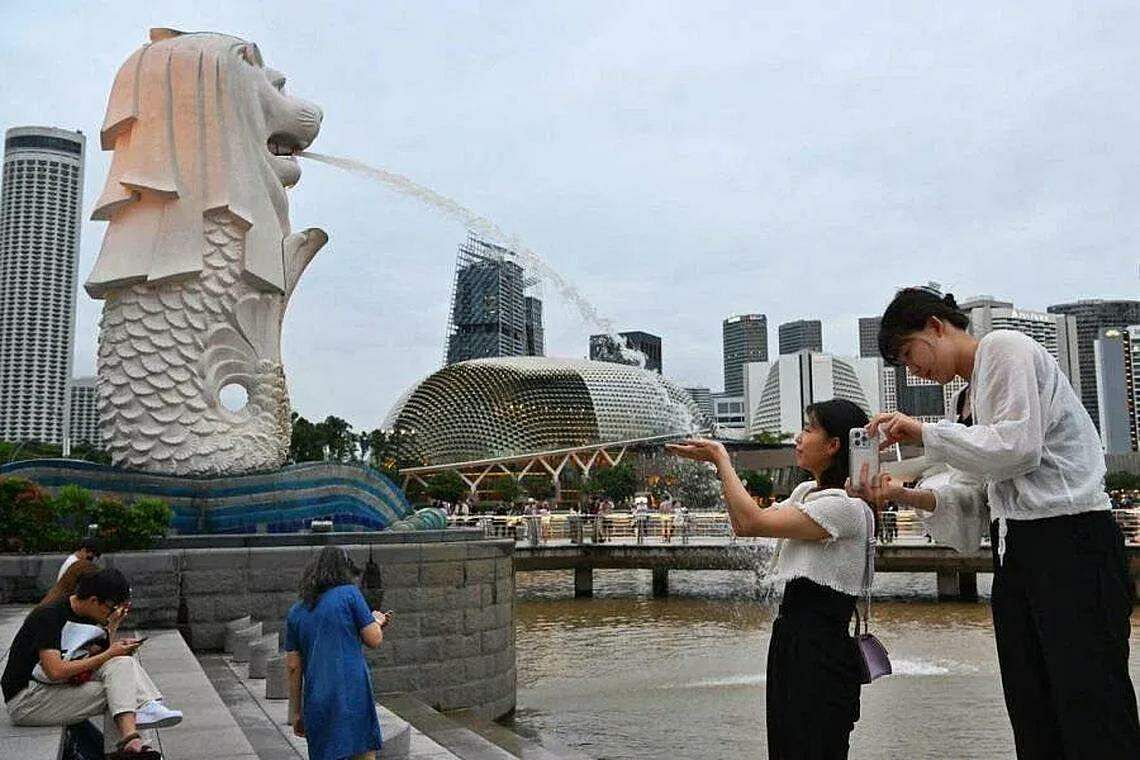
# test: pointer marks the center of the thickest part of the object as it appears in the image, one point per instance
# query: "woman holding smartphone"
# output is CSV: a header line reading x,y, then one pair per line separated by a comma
x,y
330,686
813,672
1060,597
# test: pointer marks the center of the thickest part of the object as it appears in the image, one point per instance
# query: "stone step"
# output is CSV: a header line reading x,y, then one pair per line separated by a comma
x,y
452,736
23,741
517,745
270,719
208,730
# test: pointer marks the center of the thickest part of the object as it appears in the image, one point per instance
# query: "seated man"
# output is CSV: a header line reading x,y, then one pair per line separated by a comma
x,y
88,549
110,681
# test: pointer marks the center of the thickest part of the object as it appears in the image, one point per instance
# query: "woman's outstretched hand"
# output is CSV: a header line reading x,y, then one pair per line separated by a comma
x,y
699,449
895,427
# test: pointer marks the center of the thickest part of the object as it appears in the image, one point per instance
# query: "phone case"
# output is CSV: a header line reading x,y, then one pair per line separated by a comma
x,y
864,449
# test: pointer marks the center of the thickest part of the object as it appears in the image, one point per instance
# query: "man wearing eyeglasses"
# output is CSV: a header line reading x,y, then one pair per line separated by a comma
x,y
58,673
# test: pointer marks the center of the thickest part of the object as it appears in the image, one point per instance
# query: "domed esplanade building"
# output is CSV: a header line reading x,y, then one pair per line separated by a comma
x,y
506,407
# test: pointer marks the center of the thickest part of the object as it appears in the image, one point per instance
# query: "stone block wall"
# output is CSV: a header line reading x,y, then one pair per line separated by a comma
x,y
451,642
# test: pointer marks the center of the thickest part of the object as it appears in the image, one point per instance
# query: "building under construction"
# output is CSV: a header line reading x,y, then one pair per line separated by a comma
x,y
491,315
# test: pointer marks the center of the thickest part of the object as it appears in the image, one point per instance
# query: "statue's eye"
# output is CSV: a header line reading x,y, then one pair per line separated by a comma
x,y
279,83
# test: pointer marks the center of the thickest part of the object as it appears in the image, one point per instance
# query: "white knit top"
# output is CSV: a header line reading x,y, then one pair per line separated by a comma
x,y
838,561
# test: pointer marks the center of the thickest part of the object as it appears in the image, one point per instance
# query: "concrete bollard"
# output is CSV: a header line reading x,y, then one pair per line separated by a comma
x,y
233,627
242,640
259,653
276,678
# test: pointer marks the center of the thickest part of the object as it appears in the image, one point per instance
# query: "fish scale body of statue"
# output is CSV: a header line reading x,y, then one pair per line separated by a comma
x,y
198,264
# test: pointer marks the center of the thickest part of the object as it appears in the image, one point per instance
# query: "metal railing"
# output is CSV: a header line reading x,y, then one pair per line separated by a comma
x,y
902,527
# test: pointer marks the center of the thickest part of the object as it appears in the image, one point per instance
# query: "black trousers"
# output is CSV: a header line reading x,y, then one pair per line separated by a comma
x,y
813,675
1061,605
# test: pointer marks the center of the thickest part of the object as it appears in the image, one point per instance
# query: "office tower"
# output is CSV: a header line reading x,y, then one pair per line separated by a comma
x,y
731,416
83,414
745,339
1111,391
703,398
535,338
490,314
603,348
801,335
1056,332
869,337
40,213
1132,383
1092,317
778,392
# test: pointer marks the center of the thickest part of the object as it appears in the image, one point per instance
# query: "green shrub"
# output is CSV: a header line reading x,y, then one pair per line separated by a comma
x,y
32,521
29,519
137,526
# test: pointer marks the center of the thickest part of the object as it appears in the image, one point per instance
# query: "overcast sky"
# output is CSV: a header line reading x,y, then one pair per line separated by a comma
x,y
678,163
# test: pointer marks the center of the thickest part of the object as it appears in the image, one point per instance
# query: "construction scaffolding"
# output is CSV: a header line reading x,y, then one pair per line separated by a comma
x,y
491,315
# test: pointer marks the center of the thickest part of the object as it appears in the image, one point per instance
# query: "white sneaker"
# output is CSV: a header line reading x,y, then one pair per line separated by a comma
x,y
154,714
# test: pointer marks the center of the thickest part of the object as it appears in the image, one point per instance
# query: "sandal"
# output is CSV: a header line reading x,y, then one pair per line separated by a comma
x,y
145,752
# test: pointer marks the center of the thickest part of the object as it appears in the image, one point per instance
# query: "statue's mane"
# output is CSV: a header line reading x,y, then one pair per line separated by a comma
x,y
189,137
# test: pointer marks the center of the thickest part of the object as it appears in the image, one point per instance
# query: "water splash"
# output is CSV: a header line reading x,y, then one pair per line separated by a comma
x,y
491,232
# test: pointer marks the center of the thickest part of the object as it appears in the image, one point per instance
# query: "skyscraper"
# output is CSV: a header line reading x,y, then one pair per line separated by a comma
x,y
869,337
1056,332
40,212
703,397
1111,390
1132,383
801,335
490,315
745,339
604,349
535,337
83,414
1092,317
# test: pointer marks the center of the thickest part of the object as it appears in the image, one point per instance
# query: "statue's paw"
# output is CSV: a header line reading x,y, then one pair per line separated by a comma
x,y
300,248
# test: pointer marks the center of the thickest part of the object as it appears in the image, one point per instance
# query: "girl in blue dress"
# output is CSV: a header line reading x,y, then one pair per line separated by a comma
x,y
330,687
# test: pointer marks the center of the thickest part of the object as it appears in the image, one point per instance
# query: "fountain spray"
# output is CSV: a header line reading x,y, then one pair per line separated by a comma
x,y
491,231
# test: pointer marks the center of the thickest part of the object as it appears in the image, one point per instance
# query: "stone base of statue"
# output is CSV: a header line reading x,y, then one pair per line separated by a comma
x,y
287,500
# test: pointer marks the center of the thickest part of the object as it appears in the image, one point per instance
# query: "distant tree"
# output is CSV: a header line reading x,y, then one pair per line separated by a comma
x,y
618,482
756,483
338,438
306,443
769,438
447,486
538,486
1121,481
508,489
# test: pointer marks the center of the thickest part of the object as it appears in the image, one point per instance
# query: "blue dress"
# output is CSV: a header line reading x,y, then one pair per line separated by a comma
x,y
338,708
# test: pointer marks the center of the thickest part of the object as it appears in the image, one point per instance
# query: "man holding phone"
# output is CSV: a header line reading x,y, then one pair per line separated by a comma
x,y
72,688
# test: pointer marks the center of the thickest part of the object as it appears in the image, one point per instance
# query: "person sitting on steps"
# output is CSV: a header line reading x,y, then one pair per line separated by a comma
x,y
62,691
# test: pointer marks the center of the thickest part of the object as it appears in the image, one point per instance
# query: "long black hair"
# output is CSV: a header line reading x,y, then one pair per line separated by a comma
x,y
837,417
331,567
909,312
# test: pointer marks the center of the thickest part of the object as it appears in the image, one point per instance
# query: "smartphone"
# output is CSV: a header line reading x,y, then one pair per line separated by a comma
x,y
864,451
387,618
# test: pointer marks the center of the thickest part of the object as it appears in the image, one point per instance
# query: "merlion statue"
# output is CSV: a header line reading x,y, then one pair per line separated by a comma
x,y
198,262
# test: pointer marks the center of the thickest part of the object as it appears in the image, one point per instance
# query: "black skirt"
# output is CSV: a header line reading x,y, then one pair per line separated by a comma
x,y
813,674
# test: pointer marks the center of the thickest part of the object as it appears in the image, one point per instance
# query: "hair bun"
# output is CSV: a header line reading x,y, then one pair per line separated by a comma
x,y
948,299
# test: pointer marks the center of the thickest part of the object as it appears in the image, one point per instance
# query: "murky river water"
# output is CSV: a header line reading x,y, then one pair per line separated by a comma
x,y
624,675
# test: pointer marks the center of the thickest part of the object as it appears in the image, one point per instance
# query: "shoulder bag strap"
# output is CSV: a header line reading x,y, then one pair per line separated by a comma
x,y
868,567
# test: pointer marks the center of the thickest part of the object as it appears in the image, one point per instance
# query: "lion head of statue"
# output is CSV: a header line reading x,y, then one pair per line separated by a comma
x,y
197,123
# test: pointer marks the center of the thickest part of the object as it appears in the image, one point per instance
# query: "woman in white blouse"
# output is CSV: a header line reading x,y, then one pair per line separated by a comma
x,y
1060,597
813,673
